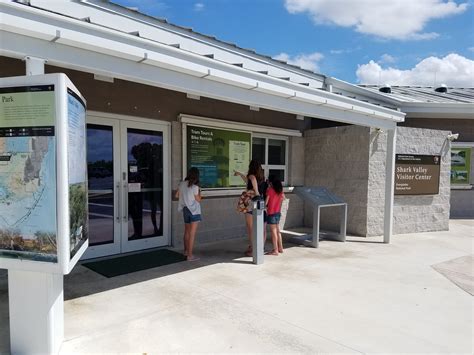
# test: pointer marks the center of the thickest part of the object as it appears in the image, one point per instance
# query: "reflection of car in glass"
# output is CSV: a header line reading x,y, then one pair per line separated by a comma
x,y
457,160
99,173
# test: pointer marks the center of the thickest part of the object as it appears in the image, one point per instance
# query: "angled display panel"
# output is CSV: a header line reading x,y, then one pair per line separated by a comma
x,y
43,184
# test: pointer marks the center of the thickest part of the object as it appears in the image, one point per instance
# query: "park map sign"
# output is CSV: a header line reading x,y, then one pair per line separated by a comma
x,y
217,153
27,173
43,174
417,174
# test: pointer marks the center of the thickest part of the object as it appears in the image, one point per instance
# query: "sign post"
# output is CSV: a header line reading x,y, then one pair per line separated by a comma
x,y
43,203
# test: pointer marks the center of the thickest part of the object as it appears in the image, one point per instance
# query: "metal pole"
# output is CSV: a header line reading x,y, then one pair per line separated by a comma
x,y
257,231
389,184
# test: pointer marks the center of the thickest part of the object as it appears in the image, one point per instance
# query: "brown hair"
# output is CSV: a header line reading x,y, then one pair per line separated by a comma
x,y
193,177
255,169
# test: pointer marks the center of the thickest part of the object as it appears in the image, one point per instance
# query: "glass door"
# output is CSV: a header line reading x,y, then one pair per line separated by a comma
x,y
143,179
128,179
103,167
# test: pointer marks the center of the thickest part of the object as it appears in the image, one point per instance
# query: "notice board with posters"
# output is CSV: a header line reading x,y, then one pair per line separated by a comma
x,y
460,165
217,153
417,174
43,175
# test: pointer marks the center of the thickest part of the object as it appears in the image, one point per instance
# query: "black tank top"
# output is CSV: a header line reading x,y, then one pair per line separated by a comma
x,y
262,187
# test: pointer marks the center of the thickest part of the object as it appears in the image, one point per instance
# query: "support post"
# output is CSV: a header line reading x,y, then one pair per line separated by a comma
x,y
34,65
258,231
389,184
36,304
316,218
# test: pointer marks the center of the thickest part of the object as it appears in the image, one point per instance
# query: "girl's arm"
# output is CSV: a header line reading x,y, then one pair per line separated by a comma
x,y
176,195
198,197
244,177
254,184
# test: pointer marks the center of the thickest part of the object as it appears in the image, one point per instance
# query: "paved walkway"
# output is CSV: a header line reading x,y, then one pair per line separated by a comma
x,y
356,297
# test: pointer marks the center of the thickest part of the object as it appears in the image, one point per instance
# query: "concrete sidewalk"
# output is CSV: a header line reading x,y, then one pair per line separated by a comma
x,y
356,297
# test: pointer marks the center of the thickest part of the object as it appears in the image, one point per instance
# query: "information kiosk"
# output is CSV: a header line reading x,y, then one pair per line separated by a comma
x,y
43,202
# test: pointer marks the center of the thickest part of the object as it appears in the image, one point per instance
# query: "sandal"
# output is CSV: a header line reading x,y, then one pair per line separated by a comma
x,y
272,252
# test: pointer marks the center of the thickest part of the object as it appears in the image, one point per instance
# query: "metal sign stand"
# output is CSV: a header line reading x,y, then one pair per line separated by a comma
x,y
320,197
258,231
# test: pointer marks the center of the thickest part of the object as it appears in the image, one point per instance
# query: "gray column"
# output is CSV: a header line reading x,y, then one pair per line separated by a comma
x,y
389,184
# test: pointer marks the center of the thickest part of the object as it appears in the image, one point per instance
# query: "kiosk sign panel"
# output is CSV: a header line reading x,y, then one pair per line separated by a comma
x,y
27,173
417,174
217,153
43,181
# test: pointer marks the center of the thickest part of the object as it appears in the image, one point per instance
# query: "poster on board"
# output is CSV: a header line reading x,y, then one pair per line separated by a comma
x,y
417,174
217,153
460,165
27,173
77,172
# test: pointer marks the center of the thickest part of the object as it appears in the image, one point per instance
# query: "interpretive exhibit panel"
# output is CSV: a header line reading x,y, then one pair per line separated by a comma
x,y
43,181
217,153
460,165
417,174
27,173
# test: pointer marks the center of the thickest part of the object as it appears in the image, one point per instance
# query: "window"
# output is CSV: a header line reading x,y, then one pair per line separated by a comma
x,y
272,153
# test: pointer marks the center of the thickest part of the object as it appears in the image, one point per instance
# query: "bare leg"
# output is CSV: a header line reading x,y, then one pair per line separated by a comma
x,y
192,234
274,234
249,224
186,238
280,240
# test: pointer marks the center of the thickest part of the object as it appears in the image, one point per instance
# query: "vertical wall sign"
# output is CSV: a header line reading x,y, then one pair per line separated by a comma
x,y
460,165
217,153
417,174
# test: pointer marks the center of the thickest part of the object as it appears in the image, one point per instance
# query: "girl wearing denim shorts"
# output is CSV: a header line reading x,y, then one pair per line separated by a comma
x,y
274,199
189,196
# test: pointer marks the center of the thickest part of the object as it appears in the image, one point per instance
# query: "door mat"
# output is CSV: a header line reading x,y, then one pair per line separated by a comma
x,y
136,262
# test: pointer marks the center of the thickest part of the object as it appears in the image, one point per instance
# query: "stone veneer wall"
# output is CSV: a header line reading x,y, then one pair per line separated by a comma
x,y
411,213
350,161
220,218
337,158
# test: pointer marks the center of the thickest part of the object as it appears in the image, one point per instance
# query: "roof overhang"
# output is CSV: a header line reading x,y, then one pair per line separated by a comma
x,y
79,45
438,110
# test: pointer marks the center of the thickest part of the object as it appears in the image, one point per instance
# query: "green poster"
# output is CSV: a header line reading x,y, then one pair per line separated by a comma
x,y
217,153
460,165
27,106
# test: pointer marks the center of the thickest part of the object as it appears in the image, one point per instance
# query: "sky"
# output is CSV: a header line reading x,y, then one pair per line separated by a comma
x,y
396,42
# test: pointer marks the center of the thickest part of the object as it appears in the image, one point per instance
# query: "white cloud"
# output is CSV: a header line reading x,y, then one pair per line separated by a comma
x,y
199,6
394,19
387,58
452,70
305,61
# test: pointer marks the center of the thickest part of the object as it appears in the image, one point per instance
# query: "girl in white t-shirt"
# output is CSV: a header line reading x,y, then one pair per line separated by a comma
x,y
189,195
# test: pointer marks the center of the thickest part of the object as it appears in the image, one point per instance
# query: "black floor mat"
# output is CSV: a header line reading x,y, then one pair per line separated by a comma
x,y
136,262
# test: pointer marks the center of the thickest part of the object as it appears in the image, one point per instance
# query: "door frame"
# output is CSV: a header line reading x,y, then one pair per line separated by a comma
x,y
121,244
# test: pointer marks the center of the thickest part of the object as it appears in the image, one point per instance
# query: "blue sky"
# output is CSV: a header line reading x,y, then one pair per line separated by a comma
x,y
402,42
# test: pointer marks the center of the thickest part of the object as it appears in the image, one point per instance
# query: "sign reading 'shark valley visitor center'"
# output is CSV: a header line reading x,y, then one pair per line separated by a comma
x,y
417,174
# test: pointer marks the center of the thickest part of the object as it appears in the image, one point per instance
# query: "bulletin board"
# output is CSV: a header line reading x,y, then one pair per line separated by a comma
x,y
217,153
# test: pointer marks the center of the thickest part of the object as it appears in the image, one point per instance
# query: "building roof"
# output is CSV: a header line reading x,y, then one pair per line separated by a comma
x,y
425,94
99,37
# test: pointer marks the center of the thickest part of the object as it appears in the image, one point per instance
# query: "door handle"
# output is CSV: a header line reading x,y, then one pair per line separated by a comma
x,y
118,197
125,201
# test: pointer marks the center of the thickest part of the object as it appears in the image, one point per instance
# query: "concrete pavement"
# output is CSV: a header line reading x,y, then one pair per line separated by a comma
x,y
361,296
